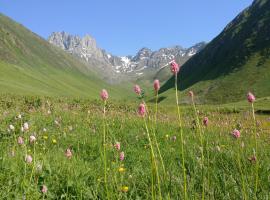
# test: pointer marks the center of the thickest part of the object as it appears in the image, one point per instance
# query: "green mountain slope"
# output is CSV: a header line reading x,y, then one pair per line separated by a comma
x,y
235,62
29,65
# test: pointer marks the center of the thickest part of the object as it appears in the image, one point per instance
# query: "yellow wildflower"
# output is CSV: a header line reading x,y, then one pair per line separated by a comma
x,y
121,169
124,188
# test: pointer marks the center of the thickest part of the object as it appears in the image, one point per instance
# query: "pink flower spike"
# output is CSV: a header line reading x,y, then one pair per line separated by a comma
x,y
117,146
20,140
205,121
44,189
174,67
32,139
28,159
25,126
68,153
156,85
104,95
236,133
250,97
141,110
137,89
122,156
190,93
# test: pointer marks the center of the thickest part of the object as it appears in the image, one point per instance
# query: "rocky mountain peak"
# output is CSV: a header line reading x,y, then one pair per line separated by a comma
x,y
87,49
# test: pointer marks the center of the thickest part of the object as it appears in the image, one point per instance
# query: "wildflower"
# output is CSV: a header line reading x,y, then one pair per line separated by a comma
x,y
218,148
156,85
236,133
44,130
242,144
174,138
137,89
174,67
28,159
121,169
39,167
25,126
117,146
190,93
12,153
250,97
122,156
44,189
56,122
32,139
45,137
252,158
142,110
124,189
167,136
68,153
104,95
205,121
54,141
11,127
19,116
20,140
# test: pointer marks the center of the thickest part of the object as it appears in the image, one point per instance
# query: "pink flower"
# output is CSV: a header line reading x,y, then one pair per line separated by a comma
x,y
205,121
250,97
236,133
117,146
174,67
32,139
156,85
68,153
252,158
28,159
190,93
137,89
122,156
44,189
104,95
20,140
141,110
25,126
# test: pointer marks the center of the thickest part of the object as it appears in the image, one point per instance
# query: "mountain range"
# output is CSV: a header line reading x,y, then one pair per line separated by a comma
x,y
119,68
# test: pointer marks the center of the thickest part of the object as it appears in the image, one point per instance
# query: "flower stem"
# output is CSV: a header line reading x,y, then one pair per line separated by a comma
x,y
153,160
256,151
104,149
241,172
202,146
155,138
181,135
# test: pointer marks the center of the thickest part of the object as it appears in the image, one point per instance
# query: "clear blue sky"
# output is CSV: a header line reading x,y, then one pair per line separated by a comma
x,y
122,27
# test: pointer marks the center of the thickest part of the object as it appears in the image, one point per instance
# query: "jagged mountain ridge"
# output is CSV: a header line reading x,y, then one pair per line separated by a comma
x,y
86,48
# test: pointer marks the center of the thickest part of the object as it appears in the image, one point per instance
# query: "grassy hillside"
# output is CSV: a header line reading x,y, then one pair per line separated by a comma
x,y
235,62
30,65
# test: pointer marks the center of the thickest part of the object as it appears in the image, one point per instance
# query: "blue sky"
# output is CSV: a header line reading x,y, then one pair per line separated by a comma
x,y
122,27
